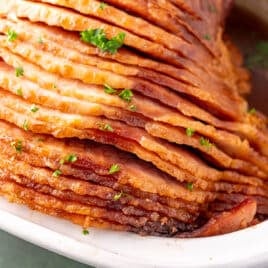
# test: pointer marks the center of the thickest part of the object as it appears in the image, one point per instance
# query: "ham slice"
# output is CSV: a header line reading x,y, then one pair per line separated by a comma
x,y
64,182
172,160
75,22
237,218
50,34
40,96
82,220
210,98
90,193
230,143
91,75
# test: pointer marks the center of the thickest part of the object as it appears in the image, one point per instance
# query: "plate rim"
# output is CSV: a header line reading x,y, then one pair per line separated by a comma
x,y
75,249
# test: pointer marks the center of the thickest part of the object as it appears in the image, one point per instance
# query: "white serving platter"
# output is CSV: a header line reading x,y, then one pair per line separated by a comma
x,y
246,248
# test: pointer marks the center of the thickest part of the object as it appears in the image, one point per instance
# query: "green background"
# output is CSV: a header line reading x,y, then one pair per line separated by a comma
x,y
15,253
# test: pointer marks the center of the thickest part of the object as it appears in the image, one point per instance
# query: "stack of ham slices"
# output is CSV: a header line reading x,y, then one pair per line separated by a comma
x,y
130,115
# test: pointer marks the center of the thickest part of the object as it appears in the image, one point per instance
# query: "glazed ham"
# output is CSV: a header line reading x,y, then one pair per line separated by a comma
x,y
128,115
207,96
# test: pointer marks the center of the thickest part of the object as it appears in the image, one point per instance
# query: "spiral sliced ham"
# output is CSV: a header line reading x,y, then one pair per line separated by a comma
x,y
177,156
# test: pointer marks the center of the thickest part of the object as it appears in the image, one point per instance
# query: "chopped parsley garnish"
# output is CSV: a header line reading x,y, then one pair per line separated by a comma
x,y
17,145
189,132
85,232
25,125
34,108
126,95
56,173
133,108
19,71
19,92
260,56
252,111
109,90
102,5
106,127
205,142
114,168
70,158
118,196
97,37
207,37
190,186
11,35
40,40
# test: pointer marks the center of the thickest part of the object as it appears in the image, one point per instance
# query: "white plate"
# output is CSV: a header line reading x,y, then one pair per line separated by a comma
x,y
246,248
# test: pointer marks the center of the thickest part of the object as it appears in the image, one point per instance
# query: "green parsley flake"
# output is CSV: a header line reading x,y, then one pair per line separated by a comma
x,y
85,232
97,37
189,132
56,173
118,196
34,108
25,125
19,92
205,142
70,158
126,95
207,37
40,40
133,108
11,35
252,111
103,5
109,90
106,127
190,186
114,169
19,71
17,145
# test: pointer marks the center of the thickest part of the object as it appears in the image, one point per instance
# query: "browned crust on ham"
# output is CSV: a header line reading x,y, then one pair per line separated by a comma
x,y
82,220
164,226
